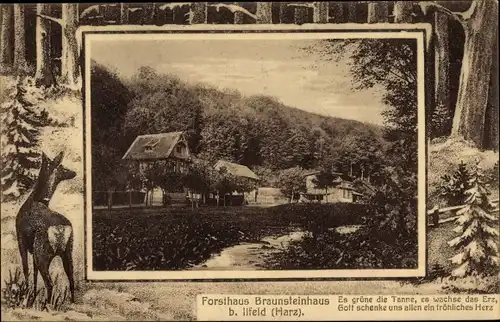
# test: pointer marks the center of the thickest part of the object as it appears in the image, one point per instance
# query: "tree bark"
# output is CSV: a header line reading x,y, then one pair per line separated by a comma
x,y
198,12
283,12
300,16
491,139
351,11
19,39
70,68
337,11
442,62
403,11
6,40
43,75
148,13
480,32
320,13
124,13
239,16
378,12
264,13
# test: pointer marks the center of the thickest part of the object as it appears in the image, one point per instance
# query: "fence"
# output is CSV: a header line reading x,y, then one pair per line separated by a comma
x,y
155,198
435,213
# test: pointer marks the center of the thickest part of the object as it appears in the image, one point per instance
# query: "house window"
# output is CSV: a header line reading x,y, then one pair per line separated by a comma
x,y
148,148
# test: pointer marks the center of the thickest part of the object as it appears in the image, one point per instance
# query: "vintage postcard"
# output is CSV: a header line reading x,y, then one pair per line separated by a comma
x,y
249,161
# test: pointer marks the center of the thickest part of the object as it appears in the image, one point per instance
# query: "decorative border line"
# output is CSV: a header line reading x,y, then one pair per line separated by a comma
x,y
420,32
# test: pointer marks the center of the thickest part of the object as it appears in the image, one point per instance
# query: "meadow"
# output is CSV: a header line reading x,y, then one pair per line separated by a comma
x,y
178,238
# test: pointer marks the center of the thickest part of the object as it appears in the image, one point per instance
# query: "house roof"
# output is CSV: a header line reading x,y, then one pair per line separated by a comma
x,y
236,169
153,146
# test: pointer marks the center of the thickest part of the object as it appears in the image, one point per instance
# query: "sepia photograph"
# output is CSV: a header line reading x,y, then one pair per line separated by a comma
x,y
248,155
216,161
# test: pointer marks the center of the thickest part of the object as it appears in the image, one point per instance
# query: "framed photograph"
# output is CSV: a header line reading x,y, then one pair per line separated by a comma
x,y
212,149
227,161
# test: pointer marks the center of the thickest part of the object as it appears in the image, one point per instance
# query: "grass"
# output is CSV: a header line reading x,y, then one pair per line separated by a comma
x,y
138,241
18,293
178,238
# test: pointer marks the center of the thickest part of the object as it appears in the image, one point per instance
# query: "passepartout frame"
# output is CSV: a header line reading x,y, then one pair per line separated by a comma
x,y
420,32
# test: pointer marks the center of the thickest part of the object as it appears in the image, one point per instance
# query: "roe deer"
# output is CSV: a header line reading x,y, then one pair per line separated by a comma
x,y
43,232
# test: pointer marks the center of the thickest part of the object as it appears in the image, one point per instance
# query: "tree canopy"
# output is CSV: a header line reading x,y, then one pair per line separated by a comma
x,y
258,131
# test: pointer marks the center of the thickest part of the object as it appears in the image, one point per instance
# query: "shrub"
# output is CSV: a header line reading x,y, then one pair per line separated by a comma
x,y
473,285
16,293
172,241
453,187
322,216
331,250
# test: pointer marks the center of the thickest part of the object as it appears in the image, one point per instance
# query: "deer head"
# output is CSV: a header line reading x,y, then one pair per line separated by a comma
x,y
51,174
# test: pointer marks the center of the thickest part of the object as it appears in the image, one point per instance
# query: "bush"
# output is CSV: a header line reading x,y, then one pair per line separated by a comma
x,y
362,249
473,285
368,247
317,218
16,292
173,241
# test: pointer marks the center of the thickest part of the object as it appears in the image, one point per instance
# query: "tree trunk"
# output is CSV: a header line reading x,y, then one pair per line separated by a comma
x,y
492,118
442,63
198,12
320,13
337,11
43,75
378,12
148,13
124,13
480,32
6,40
403,11
264,13
70,68
351,11
300,16
283,12
239,16
19,39
110,199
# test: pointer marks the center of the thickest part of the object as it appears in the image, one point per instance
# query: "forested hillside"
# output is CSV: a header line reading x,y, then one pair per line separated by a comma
x,y
258,131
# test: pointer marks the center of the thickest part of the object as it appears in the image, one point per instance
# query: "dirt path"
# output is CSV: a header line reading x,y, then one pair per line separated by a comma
x,y
248,256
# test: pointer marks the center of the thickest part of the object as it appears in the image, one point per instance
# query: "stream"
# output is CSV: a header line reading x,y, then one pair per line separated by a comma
x,y
250,256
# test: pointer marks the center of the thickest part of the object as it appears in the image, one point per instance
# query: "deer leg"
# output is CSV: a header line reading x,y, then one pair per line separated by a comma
x,y
31,300
42,261
24,257
67,260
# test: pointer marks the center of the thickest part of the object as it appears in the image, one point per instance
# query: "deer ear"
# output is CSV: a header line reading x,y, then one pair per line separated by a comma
x,y
58,159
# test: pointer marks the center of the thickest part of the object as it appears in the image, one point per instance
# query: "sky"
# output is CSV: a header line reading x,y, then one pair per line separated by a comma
x,y
280,68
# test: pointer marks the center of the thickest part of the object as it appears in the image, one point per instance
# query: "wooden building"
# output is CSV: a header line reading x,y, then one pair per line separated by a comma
x,y
163,150
340,191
